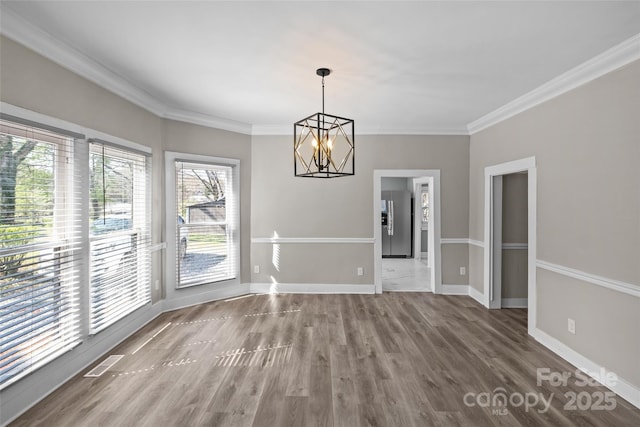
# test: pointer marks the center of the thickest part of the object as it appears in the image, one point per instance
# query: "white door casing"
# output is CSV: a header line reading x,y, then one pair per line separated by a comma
x,y
529,165
434,200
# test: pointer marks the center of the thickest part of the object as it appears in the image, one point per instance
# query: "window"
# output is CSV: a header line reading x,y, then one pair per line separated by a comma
x,y
119,227
425,209
38,241
205,222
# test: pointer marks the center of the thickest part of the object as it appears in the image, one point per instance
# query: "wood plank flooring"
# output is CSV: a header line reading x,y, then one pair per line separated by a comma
x,y
397,359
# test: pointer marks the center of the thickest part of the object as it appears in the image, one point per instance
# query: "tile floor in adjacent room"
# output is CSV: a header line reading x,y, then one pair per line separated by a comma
x,y
405,275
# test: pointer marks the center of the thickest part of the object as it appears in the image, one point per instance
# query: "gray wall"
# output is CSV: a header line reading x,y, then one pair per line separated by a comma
x,y
587,154
395,184
514,230
193,139
342,207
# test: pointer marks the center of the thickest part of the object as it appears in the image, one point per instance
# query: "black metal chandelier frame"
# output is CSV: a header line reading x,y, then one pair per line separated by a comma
x,y
313,143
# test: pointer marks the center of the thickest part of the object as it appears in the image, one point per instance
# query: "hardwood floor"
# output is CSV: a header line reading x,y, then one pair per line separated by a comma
x,y
397,359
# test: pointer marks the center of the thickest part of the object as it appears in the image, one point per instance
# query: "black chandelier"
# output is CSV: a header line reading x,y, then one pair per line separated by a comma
x,y
323,144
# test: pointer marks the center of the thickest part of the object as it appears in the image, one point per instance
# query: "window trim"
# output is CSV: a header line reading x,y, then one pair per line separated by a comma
x,y
172,291
143,233
66,236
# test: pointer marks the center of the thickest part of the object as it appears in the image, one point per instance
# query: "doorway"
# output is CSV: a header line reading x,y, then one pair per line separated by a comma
x,y
502,180
403,267
411,273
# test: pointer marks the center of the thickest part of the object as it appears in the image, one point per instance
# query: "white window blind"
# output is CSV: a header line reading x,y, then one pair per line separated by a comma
x,y
119,227
206,223
39,237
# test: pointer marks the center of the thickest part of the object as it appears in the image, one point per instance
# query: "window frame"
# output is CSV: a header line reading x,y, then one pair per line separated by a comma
x,y
140,232
233,219
63,242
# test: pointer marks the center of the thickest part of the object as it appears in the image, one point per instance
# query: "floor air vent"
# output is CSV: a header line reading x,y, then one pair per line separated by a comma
x,y
104,366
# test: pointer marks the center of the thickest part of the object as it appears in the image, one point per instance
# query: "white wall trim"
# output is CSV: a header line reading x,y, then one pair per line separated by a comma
x,y
477,243
287,130
206,120
208,291
88,133
610,60
514,303
22,31
311,288
17,28
616,285
622,387
515,246
476,295
462,240
454,240
455,289
158,247
527,164
207,294
313,240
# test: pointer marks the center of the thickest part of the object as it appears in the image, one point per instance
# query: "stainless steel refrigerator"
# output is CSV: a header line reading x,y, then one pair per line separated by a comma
x,y
396,224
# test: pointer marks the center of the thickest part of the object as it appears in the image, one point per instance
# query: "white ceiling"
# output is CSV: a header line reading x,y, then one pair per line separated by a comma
x,y
406,67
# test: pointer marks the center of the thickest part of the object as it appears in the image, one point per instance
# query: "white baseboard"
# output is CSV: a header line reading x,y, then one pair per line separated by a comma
x,y
622,387
455,289
476,295
311,288
514,302
30,390
217,293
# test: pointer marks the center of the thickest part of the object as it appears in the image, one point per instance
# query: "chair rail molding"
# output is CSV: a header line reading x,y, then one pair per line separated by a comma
x,y
616,285
310,240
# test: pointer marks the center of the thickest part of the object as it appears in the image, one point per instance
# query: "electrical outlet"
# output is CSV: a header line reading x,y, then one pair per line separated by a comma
x,y
256,269
571,326
463,271
360,271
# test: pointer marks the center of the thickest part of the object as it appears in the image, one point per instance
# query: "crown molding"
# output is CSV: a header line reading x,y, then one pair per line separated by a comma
x,y
22,31
207,120
371,130
16,28
264,130
610,60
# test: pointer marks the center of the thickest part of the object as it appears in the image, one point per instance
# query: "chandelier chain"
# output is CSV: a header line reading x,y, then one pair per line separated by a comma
x,y
322,94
